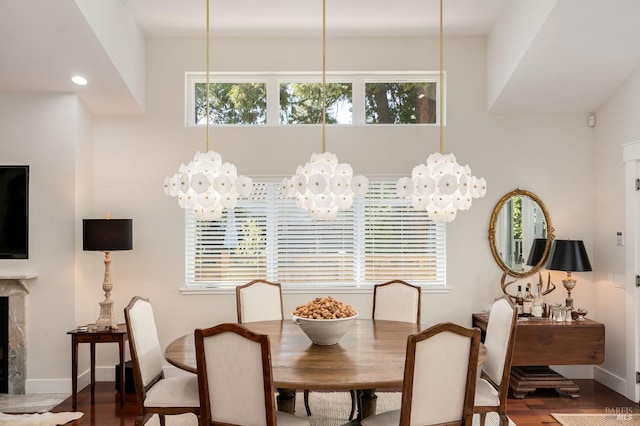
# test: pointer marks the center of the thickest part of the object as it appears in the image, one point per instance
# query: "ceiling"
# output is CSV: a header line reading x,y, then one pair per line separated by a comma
x,y
567,59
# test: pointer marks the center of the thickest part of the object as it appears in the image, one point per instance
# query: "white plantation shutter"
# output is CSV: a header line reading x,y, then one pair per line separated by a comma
x,y
266,236
400,241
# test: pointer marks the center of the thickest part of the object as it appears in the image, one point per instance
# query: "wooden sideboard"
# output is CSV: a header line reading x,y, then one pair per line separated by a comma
x,y
541,342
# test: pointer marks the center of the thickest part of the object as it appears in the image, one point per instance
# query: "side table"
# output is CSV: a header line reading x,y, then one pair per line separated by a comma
x,y
541,342
93,335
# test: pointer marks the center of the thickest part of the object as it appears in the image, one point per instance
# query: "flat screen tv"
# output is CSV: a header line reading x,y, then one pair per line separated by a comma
x,y
14,212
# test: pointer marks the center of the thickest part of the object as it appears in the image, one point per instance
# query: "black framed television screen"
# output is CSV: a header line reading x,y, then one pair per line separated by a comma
x,y
14,212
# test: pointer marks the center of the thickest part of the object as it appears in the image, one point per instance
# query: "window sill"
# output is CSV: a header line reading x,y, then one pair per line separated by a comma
x,y
306,290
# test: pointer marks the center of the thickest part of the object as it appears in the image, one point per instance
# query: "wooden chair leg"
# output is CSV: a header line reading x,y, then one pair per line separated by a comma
x,y
482,418
306,402
354,403
504,420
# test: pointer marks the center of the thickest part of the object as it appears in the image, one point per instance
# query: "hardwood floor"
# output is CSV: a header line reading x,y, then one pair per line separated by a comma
x,y
103,409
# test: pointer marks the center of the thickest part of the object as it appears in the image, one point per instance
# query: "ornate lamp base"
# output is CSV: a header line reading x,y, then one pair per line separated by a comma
x,y
569,284
106,319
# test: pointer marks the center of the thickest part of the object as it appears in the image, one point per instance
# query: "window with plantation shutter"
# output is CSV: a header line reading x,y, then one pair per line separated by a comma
x,y
266,236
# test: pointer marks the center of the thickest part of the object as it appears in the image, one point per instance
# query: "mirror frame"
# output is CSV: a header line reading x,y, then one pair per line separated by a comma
x,y
492,233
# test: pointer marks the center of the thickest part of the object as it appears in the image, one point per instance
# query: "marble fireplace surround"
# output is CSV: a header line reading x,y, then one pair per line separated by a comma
x,y
16,288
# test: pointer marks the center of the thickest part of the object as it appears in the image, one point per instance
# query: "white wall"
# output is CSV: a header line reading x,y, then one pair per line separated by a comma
x,y
552,156
46,131
617,124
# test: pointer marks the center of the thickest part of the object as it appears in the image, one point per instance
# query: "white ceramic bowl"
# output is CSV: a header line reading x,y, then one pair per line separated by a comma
x,y
324,331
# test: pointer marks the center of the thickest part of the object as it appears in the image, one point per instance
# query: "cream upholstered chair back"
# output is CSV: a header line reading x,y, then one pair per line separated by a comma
x,y
259,300
396,300
155,394
498,340
143,339
234,376
440,375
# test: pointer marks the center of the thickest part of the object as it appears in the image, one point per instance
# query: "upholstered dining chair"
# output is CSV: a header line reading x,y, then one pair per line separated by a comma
x,y
492,386
395,300
439,378
259,300
235,378
155,394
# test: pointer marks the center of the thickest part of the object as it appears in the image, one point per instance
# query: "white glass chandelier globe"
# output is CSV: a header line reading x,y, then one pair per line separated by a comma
x,y
187,200
434,160
477,187
324,213
344,201
420,171
172,185
463,184
304,201
229,200
345,170
185,180
338,184
200,183
404,187
317,183
458,201
299,183
328,158
243,185
441,201
209,157
229,170
285,188
447,184
208,199
222,184
425,186
420,202
209,213
322,200
359,185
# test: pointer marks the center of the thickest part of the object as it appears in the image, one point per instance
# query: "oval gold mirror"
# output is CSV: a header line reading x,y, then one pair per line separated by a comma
x,y
520,233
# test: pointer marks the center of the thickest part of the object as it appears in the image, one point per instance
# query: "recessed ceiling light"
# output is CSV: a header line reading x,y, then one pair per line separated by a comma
x,y
79,80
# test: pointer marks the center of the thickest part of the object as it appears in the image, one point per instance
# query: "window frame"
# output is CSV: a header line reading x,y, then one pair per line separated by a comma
x,y
274,79
438,285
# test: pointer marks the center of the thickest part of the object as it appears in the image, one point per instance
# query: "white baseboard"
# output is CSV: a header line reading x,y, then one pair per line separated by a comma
x,y
103,374
610,380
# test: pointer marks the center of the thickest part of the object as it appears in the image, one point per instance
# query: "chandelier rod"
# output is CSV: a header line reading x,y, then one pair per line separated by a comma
x,y
441,101
324,77
207,78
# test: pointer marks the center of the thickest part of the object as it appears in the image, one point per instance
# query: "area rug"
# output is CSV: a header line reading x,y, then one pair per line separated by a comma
x,y
620,418
327,409
31,403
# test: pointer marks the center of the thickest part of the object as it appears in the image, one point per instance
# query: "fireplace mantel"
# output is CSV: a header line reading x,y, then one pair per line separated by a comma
x,y
23,280
16,287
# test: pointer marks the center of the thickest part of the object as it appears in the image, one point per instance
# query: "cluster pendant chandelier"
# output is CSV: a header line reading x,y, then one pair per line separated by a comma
x,y
323,186
206,185
441,187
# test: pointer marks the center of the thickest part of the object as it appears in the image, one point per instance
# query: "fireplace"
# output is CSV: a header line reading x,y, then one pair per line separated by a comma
x,y
13,367
4,344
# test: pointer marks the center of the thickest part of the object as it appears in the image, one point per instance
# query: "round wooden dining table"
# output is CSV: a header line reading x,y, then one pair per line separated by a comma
x,y
369,356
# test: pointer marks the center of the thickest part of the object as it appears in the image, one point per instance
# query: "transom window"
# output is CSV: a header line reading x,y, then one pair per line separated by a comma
x,y
294,99
381,238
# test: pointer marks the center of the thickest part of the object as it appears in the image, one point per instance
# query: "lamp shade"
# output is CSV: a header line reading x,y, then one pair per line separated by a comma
x,y
107,234
537,251
569,256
